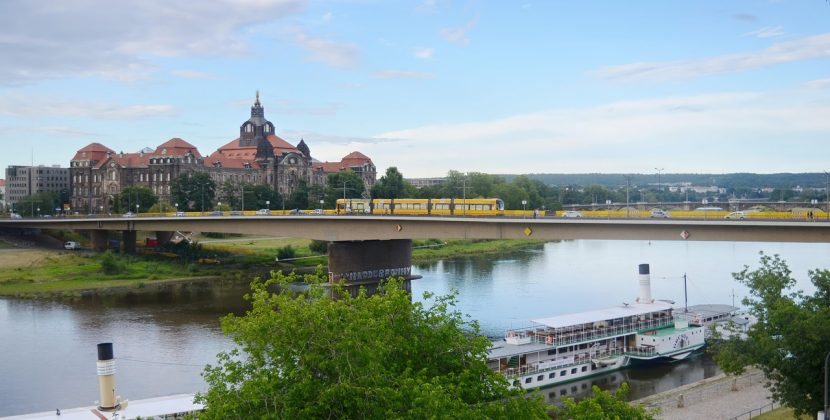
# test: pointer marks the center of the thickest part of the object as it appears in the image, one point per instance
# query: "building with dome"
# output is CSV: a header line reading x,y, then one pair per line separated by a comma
x,y
258,156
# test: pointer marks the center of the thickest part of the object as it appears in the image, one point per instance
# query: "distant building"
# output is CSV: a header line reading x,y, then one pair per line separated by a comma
x,y
2,194
258,156
425,182
23,181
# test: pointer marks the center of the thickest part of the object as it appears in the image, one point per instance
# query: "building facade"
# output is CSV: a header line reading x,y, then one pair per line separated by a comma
x,y
23,181
2,194
257,157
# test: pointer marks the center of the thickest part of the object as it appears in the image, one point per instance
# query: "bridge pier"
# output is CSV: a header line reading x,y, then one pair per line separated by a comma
x,y
164,237
99,240
366,263
128,238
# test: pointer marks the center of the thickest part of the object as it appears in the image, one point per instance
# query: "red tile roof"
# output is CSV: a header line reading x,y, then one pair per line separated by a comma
x,y
176,147
127,160
93,151
280,146
229,162
349,161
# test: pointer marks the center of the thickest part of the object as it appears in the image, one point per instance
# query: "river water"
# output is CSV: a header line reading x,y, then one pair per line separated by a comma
x,y
164,336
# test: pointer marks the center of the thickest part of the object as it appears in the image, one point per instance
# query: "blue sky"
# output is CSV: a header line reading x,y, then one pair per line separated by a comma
x,y
429,86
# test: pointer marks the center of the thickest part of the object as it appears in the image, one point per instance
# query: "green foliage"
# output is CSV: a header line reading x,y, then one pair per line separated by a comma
x,y
302,355
193,191
112,264
792,336
132,196
351,181
318,247
299,198
604,405
391,185
286,252
38,204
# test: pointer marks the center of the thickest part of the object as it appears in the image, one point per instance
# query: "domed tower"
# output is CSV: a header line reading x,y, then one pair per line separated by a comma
x,y
302,147
255,132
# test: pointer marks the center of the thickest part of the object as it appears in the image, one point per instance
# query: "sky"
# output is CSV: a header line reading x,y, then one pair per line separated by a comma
x,y
428,86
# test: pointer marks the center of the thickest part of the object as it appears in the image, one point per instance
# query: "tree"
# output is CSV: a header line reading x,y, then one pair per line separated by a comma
x,y
792,336
264,197
132,196
38,204
336,182
299,198
302,355
193,191
391,185
604,405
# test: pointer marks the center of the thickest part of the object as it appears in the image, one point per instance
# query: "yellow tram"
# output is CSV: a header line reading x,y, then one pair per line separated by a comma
x,y
422,206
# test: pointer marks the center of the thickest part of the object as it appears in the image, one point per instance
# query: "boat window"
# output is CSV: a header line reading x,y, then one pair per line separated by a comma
x,y
540,377
516,383
563,392
527,381
584,368
563,373
551,352
573,370
552,375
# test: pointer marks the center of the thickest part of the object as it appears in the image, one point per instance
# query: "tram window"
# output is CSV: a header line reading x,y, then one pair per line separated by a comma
x,y
584,368
552,375
527,381
573,370
540,377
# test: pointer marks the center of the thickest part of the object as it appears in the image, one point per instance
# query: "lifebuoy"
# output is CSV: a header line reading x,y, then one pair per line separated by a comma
x,y
548,340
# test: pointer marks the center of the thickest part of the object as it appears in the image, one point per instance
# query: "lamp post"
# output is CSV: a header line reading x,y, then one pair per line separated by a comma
x,y
268,204
321,205
38,211
524,204
177,207
658,182
627,186
136,208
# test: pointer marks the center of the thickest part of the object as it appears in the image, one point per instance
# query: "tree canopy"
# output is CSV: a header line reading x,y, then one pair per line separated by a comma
x,y
193,191
131,197
346,183
604,405
38,204
792,336
302,355
392,185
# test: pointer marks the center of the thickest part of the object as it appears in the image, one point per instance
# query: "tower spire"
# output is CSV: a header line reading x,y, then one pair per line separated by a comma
x,y
257,97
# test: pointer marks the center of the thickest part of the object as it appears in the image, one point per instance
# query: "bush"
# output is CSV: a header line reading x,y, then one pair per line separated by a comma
x,y
111,264
319,247
286,252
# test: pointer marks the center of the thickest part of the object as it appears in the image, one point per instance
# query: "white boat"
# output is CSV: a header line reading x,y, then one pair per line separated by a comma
x,y
727,320
569,347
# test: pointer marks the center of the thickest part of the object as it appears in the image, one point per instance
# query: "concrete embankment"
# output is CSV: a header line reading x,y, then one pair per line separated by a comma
x,y
719,397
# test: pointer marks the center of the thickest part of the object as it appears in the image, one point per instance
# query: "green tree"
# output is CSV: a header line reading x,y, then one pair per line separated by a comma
x,y
353,183
792,336
264,197
38,204
390,185
302,355
299,198
193,191
231,193
604,405
130,196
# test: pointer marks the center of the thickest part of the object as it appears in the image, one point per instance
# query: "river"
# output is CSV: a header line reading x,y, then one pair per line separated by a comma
x,y
163,336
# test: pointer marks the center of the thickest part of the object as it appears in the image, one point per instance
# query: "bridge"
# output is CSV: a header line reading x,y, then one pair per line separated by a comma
x,y
365,249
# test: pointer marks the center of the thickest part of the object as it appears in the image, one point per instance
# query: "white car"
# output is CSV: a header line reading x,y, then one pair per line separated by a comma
x,y
660,214
736,215
71,245
572,213
261,212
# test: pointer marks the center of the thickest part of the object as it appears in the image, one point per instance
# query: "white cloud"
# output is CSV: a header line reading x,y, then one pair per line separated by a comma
x,y
767,32
808,48
116,40
192,74
334,54
327,17
716,132
44,107
819,84
423,53
459,35
402,74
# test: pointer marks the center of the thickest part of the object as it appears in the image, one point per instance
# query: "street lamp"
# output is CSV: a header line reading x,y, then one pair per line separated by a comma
x,y
658,182
177,207
268,204
321,206
38,211
136,208
524,203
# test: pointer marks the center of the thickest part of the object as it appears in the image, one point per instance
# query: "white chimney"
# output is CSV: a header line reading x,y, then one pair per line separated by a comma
x,y
645,285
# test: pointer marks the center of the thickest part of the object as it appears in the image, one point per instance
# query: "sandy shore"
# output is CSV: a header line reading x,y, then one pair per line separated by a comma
x,y
720,397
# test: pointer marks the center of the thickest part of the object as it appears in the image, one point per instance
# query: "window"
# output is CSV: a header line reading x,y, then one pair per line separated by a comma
x,y
573,371
584,368
552,375
562,373
540,377
528,380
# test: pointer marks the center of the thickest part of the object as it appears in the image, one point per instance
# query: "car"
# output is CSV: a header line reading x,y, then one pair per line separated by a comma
x,y
216,213
660,214
263,212
572,213
235,213
736,215
318,211
128,214
71,245
180,214
16,216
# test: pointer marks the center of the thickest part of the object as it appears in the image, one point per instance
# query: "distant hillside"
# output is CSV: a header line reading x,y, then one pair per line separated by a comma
x,y
736,180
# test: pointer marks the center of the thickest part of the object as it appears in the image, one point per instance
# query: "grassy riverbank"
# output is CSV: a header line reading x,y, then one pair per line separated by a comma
x,y
32,272
28,272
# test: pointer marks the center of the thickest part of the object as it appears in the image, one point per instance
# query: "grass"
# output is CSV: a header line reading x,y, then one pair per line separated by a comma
x,y
781,413
461,248
28,272
5,245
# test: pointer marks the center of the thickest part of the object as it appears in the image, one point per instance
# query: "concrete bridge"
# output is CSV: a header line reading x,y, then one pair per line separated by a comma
x,y
732,205
365,249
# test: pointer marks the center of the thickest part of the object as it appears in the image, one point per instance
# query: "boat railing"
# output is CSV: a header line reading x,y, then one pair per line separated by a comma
x,y
560,338
578,359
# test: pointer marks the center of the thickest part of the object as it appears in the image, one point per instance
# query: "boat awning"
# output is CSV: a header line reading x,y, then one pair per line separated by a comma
x,y
606,314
